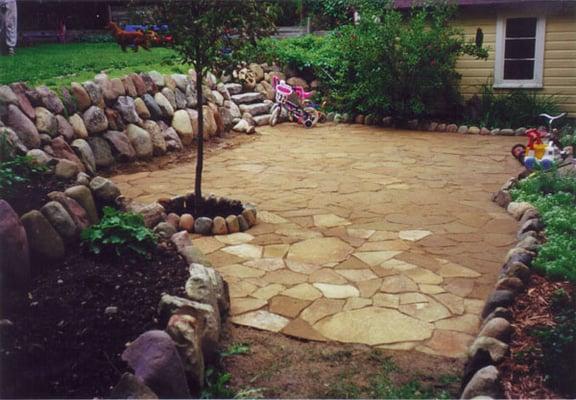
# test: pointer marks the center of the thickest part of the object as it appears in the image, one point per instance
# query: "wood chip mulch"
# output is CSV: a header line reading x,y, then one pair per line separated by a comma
x,y
522,377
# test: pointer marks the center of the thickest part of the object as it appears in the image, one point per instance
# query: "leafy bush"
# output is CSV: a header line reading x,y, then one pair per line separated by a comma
x,y
509,110
388,64
555,198
121,234
568,136
15,168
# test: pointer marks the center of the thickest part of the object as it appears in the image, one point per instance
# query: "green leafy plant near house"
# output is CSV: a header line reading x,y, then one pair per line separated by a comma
x,y
120,234
555,198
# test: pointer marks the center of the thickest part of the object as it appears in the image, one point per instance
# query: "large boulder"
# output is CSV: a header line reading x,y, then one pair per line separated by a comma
x,y
73,208
24,103
61,149
45,242
39,156
142,109
140,140
131,387
185,330
105,85
210,125
59,218
183,125
118,87
139,84
164,104
82,97
95,120
157,78
104,190
68,101
129,87
115,121
180,99
173,141
121,147
50,100
7,95
85,153
83,196
64,128
46,122
180,80
170,96
158,142
66,169
95,93
153,107
127,109
78,126
191,97
155,360
24,128
14,252
102,152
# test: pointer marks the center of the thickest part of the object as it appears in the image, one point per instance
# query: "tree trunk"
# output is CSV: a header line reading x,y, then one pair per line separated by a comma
x,y
200,144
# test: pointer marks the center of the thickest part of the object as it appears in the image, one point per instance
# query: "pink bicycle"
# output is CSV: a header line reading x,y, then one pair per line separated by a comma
x,y
296,102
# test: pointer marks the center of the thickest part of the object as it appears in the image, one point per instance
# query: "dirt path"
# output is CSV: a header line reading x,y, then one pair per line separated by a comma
x,y
370,236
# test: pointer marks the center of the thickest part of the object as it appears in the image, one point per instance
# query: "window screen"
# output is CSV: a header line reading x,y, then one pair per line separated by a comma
x,y
520,48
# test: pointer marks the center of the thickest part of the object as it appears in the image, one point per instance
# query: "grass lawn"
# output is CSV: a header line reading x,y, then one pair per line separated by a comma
x,y
56,65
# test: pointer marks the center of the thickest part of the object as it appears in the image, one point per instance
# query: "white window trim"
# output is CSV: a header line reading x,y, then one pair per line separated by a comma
x,y
537,82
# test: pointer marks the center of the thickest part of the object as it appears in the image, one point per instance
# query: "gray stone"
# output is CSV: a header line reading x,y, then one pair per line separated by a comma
x,y
151,86
530,213
498,298
14,140
519,255
46,122
502,198
180,99
497,328
24,128
120,145
170,96
155,360
129,87
102,153
83,179
45,140
84,151
61,149
534,224
485,382
157,78
200,286
517,209
95,120
255,109
81,96
152,213
44,241
140,140
78,126
66,169
141,109
127,109
164,230
462,129
173,141
131,387
193,255
495,132
517,269
506,132
105,85
529,243
244,226
261,120
247,98
218,98
499,312
57,215
117,87
520,132
83,197
95,93
494,347
181,81
104,190
50,100
510,283
181,240
451,128
7,96
203,225
39,156
73,208
158,142
139,84
153,107
164,104
14,251
474,130
64,128
233,88
185,330
191,96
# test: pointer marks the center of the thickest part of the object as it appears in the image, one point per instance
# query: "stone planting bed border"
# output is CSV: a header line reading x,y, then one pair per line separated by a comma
x,y
481,378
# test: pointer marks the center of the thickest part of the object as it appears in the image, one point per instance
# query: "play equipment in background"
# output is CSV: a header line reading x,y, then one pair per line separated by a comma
x,y
543,149
296,101
144,36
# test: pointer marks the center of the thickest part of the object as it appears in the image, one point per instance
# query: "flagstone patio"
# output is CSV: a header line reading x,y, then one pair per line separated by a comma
x,y
365,235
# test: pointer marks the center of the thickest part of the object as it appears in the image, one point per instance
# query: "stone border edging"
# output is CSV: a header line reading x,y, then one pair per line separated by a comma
x,y
481,375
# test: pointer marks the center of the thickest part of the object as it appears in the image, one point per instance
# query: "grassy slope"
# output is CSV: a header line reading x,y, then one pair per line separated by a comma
x,y
55,65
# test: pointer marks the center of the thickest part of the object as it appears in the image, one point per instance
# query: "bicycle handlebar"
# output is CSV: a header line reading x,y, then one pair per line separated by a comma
x,y
551,118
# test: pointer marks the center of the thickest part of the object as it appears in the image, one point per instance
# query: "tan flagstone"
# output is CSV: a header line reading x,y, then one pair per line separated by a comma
x,y
303,330
287,306
398,284
429,312
451,270
245,304
459,286
411,298
431,289
319,250
386,300
235,238
473,306
321,308
387,245
414,235
329,220
266,264
303,268
261,320
268,291
207,244
466,323
221,258
398,346
337,291
354,303
368,288
241,288
240,271
397,265
276,250
285,277
374,258
303,291
352,263
449,343
271,218
373,325
357,275
421,275
383,235
326,275
298,233
360,233
244,250
454,303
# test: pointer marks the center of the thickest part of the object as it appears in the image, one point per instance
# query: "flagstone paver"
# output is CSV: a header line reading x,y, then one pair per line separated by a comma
x,y
365,235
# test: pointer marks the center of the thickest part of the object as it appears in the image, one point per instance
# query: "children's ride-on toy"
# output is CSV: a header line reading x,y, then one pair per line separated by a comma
x,y
543,147
296,102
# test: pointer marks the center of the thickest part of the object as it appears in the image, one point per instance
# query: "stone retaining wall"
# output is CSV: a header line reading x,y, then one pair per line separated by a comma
x,y
481,375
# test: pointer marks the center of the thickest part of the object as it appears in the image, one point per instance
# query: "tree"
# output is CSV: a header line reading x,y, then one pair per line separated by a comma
x,y
208,34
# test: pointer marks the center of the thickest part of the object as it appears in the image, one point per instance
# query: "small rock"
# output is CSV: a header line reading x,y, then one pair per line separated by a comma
x,y
140,140
219,226
117,87
497,328
78,126
510,283
111,310
95,93
57,215
517,209
151,86
506,132
203,225
24,128
131,387
164,104
462,129
104,190
519,255
484,131
158,142
39,156
83,196
157,78
126,106
182,124
250,216
102,152
174,220
84,151
498,298
533,224
95,120
502,198
530,213
44,241
452,128
529,243
499,312
83,179
64,128
485,382
186,222
474,130
517,269
185,330
50,100
520,132
66,169
139,84
164,230
46,122
244,226
120,146
81,96
232,224
495,347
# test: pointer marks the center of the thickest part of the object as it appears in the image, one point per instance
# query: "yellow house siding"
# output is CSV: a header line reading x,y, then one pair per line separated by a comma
x,y
559,55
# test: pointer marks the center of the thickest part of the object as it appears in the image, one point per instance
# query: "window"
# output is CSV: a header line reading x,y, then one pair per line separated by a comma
x,y
519,52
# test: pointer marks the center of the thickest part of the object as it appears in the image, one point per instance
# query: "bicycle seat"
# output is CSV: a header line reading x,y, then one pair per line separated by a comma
x,y
551,118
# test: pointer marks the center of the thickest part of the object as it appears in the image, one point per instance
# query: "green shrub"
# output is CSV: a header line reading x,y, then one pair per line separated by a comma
x,y
555,198
509,110
568,136
120,234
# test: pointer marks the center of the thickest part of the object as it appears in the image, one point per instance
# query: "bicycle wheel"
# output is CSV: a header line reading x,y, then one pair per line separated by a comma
x,y
275,115
312,116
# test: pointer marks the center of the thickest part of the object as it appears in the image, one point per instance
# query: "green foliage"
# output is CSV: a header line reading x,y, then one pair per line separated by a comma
x,y
558,345
120,234
509,110
236,349
387,64
216,385
95,38
568,136
14,168
555,198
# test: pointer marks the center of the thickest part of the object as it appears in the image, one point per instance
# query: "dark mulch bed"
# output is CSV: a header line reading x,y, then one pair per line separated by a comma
x,y
522,373
62,344
32,195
